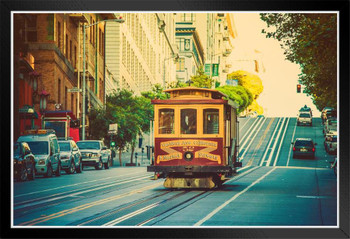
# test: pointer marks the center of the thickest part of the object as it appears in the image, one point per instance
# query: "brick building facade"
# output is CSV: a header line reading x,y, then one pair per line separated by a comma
x,y
56,43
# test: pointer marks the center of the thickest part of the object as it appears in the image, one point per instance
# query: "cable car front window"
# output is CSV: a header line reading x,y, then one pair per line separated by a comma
x,y
188,121
211,121
166,121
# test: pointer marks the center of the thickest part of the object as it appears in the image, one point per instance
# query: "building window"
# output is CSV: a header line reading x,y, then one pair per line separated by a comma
x,y
188,17
99,40
67,46
103,43
31,28
59,91
180,65
75,56
180,43
91,30
65,97
101,89
70,51
94,32
72,102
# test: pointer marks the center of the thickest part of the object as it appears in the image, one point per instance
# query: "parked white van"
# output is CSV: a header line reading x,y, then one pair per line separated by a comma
x,y
44,145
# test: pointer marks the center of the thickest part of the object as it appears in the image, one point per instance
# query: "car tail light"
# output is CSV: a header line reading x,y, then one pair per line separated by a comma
x,y
293,148
313,149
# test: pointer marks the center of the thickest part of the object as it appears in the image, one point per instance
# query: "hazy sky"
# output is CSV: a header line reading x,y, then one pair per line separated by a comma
x,y
279,97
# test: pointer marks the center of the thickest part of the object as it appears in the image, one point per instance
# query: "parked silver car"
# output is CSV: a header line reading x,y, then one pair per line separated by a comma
x,y
71,159
94,153
330,142
330,125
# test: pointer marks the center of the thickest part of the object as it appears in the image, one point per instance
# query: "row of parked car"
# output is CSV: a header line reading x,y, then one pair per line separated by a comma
x,y
40,152
305,147
330,126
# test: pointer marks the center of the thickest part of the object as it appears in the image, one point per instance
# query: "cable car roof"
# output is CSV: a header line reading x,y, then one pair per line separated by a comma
x,y
215,94
195,93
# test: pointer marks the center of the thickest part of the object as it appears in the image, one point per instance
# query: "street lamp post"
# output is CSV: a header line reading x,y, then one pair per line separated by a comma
x,y
120,20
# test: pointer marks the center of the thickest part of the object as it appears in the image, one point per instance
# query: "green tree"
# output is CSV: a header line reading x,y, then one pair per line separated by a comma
x,y
201,80
309,40
253,83
98,123
131,113
249,81
156,93
242,96
176,84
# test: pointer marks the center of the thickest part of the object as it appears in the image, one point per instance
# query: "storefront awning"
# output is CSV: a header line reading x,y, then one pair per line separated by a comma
x,y
60,113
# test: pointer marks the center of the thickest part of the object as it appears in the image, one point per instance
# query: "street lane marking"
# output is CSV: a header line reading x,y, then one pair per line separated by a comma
x,y
71,185
275,144
281,141
87,205
252,140
246,123
290,148
130,215
250,162
314,197
244,138
247,139
76,194
210,215
307,168
268,146
241,175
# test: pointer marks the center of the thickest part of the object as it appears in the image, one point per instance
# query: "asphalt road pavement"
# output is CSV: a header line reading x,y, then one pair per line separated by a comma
x,y
271,189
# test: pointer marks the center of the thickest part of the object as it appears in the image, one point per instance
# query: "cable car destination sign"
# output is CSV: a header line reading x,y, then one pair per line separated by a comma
x,y
189,145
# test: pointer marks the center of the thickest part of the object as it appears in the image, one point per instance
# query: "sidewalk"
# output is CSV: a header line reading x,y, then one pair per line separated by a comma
x,y
126,159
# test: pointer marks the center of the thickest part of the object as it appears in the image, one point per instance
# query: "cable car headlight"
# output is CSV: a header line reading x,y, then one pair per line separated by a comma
x,y
188,156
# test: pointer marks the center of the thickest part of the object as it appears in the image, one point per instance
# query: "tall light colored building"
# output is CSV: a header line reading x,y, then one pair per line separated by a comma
x,y
204,39
191,51
140,52
220,35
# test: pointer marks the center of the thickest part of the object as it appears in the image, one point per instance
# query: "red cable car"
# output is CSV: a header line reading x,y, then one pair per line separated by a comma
x,y
195,138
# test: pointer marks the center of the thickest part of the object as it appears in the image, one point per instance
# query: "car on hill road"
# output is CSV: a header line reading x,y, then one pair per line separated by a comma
x,y
304,118
304,147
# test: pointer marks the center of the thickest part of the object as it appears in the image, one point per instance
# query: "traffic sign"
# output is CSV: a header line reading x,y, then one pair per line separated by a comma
x,y
74,90
112,132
